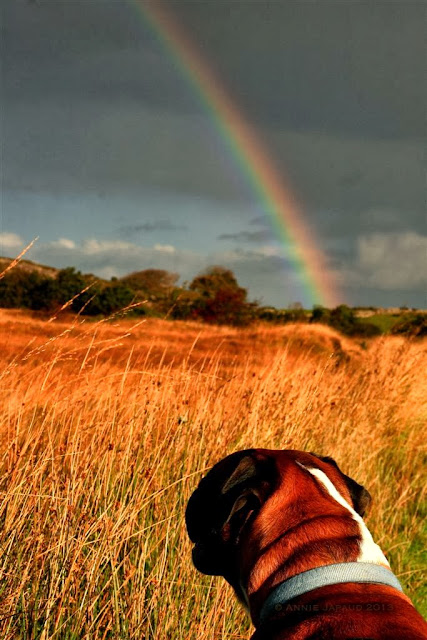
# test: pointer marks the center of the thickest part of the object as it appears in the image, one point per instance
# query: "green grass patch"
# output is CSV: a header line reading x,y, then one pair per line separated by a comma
x,y
384,321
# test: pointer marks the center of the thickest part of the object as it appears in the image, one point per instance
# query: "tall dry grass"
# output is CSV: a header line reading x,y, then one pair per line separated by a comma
x,y
105,429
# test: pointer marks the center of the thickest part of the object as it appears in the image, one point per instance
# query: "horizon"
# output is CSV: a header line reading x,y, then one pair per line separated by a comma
x,y
184,284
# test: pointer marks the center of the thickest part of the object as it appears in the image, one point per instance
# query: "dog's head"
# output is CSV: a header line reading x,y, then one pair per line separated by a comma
x,y
225,506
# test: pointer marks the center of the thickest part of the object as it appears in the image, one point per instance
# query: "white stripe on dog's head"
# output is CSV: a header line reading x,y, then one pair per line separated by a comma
x,y
369,550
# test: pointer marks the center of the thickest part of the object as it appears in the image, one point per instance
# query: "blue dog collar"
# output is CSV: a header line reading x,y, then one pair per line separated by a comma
x,y
359,572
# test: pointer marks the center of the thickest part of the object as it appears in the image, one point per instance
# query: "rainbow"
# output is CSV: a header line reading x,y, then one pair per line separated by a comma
x,y
249,155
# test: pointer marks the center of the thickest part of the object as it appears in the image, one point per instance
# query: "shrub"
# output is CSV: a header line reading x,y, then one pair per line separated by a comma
x,y
108,300
343,319
220,299
414,325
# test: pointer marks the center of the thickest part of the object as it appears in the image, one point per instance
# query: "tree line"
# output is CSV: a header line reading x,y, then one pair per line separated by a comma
x,y
213,296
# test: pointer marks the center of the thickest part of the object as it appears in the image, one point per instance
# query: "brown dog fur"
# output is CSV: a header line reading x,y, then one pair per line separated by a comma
x,y
260,517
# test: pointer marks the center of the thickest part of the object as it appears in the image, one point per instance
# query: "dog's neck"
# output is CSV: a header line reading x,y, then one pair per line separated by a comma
x,y
322,536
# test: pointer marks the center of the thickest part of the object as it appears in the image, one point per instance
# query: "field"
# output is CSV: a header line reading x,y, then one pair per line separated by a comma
x,y
106,428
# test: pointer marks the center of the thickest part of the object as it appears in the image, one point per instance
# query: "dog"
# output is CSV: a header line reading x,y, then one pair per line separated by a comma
x,y
286,530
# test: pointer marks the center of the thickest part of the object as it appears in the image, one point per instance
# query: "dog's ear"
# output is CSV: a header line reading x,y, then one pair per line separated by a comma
x,y
226,500
360,496
243,496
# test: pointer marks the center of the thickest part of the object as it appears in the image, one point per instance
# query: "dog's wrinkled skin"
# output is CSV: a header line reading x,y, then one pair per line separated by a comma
x,y
261,516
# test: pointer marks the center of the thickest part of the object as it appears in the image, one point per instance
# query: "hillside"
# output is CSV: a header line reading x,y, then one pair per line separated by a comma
x,y
154,340
29,267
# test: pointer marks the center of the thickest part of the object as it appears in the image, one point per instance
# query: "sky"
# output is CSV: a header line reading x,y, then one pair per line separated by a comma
x,y
112,159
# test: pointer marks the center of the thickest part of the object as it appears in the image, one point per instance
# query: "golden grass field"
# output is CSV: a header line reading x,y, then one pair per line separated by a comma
x,y
107,427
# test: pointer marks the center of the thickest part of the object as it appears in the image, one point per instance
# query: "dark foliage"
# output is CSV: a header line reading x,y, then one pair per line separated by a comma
x,y
220,299
29,289
213,296
414,325
282,316
108,300
343,319
151,283
17,289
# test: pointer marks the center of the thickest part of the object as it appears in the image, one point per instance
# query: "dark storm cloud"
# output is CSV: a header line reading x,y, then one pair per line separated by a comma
x,y
389,178
92,101
89,51
356,68
150,227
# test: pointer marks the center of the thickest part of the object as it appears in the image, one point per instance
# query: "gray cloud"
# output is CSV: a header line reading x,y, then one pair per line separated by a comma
x,y
260,221
393,261
150,227
386,263
263,235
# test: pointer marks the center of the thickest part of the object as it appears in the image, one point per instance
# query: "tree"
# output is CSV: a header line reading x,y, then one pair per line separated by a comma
x,y
151,283
213,279
17,288
110,299
220,299
320,314
182,304
70,283
343,319
44,295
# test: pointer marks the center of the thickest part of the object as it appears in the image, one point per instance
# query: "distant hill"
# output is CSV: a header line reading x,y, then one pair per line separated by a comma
x,y
29,266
